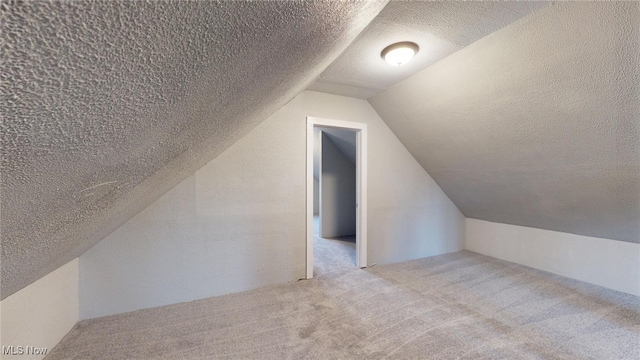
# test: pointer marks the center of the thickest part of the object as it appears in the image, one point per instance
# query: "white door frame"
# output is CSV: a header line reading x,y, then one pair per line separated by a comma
x,y
361,187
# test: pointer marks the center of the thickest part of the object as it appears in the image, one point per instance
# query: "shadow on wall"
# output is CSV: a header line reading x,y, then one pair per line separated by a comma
x,y
316,195
338,185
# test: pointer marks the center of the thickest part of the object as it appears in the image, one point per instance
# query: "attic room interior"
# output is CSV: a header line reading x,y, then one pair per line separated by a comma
x,y
173,180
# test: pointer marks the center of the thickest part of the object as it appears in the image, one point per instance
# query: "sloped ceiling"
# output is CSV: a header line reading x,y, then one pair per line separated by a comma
x,y
537,124
108,104
440,28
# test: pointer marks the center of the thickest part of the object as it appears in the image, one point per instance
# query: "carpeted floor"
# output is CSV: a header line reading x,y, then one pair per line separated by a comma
x,y
333,255
456,306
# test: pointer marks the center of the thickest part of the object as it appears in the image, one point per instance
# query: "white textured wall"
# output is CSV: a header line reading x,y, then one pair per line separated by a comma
x,y
338,192
239,222
609,263
42,313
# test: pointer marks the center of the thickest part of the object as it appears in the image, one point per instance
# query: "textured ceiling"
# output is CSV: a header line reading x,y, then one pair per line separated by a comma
x,y
108,104
537,124
439,27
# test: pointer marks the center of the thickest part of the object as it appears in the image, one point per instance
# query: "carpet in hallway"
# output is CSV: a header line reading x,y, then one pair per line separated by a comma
x,y
332,255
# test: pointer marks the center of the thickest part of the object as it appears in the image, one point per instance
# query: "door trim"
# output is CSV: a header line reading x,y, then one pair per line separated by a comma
x,y
361,188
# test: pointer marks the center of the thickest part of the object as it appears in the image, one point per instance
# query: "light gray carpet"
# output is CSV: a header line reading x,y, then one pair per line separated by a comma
x,y
333,255
455,306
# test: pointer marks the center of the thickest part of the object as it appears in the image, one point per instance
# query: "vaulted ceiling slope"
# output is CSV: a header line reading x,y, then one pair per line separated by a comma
x,y
440,28
108,104
537,124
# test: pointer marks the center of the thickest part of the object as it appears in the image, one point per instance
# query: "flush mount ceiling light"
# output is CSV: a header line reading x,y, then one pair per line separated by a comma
x,y
399,53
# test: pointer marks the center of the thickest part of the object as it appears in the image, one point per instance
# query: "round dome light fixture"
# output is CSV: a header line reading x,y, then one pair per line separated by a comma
x,y
399,53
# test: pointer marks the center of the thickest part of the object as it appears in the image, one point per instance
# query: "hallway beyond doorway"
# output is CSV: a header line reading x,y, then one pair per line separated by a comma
x,y
334,255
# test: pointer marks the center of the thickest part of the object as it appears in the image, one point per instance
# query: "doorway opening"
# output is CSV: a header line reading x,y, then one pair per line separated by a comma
x,y
338,209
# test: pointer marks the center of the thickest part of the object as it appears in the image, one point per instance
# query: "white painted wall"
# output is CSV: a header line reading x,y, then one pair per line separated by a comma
x,y
41,314
338,192
239,222
609,263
